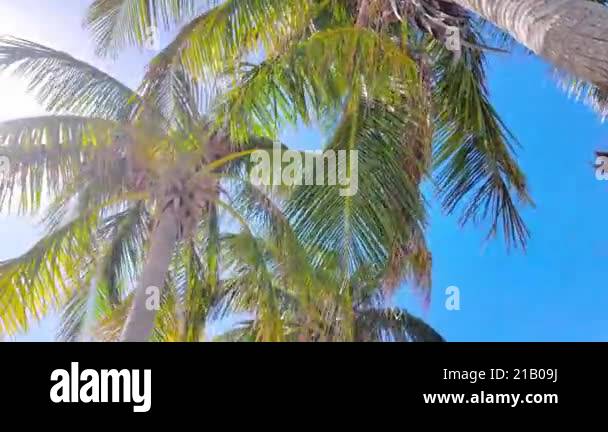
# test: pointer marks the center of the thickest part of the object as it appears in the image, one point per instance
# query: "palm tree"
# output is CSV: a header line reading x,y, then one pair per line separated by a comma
x,y
392,91
570,35
324,59
385,86
135,190
573,35
121,179
388,88
318,303
271,301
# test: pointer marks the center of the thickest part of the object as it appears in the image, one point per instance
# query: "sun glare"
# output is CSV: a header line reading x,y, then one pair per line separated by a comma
x,y
14,100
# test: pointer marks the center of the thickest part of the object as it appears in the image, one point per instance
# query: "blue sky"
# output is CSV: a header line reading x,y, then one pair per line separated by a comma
x,y
556,291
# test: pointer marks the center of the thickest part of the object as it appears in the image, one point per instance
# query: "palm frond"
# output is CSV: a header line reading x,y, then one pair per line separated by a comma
x,y
596,97
222,36
125,236
117,24
476,169
252,284
46,276
193,294
395,325
64,84
73,320
174,93
47,153
387,204
313,78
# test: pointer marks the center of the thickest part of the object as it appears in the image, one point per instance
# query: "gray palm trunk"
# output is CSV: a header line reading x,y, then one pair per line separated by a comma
x,y
140,321
571,34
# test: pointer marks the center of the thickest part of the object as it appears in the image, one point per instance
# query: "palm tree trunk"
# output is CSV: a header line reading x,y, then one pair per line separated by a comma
x,y
571,34
140,321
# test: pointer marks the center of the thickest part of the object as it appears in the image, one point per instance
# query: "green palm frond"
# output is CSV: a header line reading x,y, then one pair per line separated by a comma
x,y
387,206
87,305
83,262
314,77
175,94
409,261
241,332
109,326
125,235
260,208
224,35
324,316
73,318
195,297
476,169
308,263
169,319
395,325
64,84
47,154
116,24
46,276
252,284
